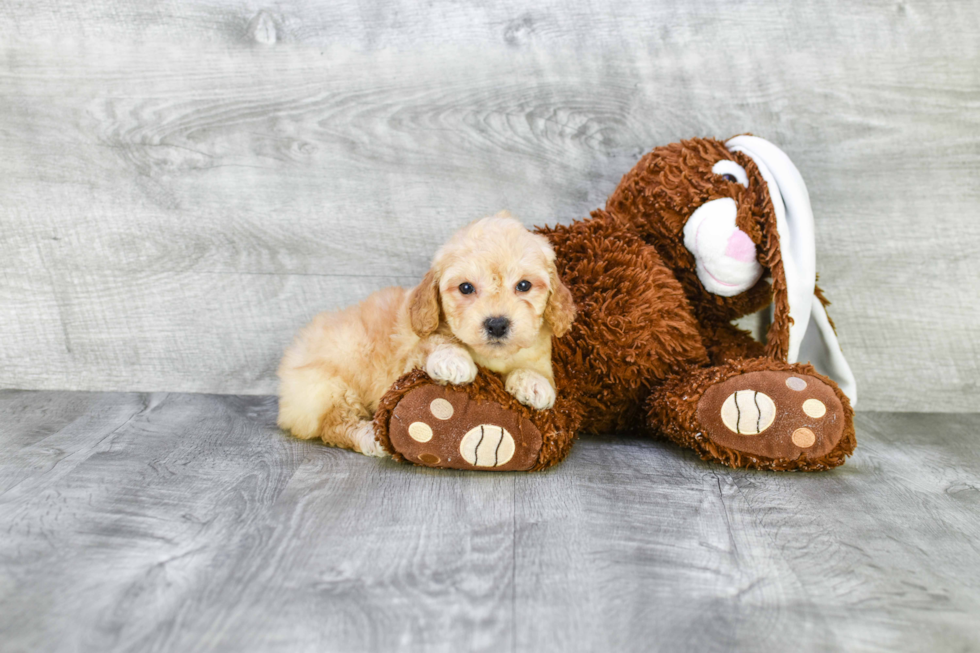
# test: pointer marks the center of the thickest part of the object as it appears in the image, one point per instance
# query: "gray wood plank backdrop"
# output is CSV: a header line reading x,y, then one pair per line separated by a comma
x,y
183,184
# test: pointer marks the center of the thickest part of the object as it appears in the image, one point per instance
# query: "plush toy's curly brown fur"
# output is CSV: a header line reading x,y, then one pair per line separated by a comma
x,y
633,329
649,340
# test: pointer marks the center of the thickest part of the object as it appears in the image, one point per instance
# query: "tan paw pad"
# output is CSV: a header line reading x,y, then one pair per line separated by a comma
x,y
795,383
487,445
814,408
748,412
804,438
420,431
441,409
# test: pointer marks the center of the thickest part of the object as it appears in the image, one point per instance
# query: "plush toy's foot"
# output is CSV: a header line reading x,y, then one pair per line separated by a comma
x,y
438,427
775,415
478,426
781,419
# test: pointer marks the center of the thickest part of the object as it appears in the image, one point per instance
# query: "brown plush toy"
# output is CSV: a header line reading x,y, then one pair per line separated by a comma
x,y
698,234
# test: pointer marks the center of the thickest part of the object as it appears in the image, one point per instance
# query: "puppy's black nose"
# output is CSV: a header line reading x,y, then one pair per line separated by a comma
x,y
496,326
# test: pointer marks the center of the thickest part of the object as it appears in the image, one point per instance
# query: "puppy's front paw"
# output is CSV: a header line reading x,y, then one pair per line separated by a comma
x,y
451,365
362,437
531,389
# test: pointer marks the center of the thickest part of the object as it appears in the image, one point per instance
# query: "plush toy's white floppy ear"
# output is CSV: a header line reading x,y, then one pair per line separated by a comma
x,y
794,223
821,348
810,335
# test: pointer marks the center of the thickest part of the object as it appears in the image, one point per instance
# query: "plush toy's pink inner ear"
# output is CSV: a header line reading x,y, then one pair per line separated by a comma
x,y
740,247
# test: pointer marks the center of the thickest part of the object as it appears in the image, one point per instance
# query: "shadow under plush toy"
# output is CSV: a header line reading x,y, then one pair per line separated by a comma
x,y
698,234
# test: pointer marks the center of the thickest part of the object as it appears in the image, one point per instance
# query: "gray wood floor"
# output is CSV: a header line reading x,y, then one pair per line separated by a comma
x,y
179,522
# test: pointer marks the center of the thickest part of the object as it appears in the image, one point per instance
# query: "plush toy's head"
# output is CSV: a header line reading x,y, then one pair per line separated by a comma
x,y
733,221
707,211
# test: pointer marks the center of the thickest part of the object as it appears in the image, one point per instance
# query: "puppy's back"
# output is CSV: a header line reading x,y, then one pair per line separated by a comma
x,y
356,348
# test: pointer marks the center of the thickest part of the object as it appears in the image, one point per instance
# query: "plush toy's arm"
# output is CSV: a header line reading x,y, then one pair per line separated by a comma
x,y
726,342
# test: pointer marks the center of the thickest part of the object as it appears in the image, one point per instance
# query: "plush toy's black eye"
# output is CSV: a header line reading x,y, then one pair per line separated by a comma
x,y
728,177
466,288
523,285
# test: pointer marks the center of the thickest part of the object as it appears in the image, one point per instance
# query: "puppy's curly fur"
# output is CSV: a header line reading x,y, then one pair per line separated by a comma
x,y
492,297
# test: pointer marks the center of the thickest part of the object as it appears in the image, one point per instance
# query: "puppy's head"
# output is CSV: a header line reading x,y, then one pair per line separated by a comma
x,y
494,284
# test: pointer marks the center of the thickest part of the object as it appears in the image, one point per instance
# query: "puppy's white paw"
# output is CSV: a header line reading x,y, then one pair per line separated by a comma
x,y
531,389
451,365
364,442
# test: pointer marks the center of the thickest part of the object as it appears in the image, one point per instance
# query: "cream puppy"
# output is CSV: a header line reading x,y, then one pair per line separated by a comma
x,y
492,298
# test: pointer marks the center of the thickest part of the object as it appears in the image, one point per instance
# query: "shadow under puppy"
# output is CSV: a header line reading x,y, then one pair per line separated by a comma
x,y
491,298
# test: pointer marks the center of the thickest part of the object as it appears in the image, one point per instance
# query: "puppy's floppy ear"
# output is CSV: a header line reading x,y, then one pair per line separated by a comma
x,y
560,311
423,305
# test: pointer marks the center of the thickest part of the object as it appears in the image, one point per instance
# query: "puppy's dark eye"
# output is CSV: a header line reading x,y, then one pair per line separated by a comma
x,y
523,285
728,177
466,288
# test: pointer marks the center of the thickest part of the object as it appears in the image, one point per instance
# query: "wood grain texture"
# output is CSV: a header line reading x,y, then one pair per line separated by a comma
x,y
185,183
171,522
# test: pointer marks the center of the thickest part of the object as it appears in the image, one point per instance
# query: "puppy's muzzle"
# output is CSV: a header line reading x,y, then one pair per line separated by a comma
x,y
496,327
